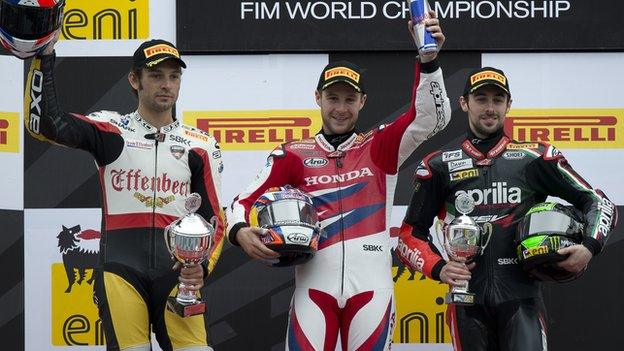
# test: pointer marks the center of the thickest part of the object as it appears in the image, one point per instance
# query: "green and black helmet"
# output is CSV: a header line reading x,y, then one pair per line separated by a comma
x,y
546,228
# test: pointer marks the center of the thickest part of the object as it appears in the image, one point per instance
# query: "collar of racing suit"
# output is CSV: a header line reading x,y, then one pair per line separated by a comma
x,y
484,145
336,139
164,129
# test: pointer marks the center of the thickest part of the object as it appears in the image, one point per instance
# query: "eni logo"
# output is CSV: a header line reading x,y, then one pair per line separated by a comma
x,y
96,20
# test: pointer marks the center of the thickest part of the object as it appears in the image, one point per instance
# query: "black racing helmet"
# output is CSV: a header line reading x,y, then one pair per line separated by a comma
x,y
546,228
27,26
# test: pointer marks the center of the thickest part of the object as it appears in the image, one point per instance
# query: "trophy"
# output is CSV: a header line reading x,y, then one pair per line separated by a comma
x,y
188,240
464,239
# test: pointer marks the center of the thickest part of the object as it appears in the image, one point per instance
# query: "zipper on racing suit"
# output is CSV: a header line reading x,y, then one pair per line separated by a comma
x,y
489,265
342,277
152,240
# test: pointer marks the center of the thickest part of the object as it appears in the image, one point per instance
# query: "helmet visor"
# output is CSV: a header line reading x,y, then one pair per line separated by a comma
x,y
550,222
30,22
287,211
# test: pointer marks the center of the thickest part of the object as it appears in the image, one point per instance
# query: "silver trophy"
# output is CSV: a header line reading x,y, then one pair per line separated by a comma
x,y
464,240
188,240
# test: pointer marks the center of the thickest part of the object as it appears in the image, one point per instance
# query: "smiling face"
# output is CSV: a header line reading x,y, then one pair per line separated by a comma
x,y
487,108
340,107
157,87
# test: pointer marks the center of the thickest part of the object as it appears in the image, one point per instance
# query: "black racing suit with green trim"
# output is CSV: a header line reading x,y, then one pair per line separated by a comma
x,y
145,174
504,182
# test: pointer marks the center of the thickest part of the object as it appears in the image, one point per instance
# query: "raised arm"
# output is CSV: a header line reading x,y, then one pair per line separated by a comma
x,y
45,121
428,113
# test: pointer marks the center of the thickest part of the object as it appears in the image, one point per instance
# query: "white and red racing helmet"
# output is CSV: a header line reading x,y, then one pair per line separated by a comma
x,y
293,227
27,26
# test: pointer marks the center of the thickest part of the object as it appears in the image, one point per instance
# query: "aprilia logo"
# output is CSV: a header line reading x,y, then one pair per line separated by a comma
x,y
497,194
335,178
606,216
411,255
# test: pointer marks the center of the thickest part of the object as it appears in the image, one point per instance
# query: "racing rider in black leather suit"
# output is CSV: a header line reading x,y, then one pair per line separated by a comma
x,y
504,178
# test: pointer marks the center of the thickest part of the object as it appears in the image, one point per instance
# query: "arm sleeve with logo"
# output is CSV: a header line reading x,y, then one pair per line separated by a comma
x,y
45,121
415,247
205,166
282,168
428,113
551,174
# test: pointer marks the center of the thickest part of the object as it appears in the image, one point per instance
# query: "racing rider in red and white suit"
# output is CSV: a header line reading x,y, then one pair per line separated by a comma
x,y
347,286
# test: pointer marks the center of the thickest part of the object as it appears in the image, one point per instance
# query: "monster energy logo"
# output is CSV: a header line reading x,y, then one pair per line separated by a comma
x,y
555,242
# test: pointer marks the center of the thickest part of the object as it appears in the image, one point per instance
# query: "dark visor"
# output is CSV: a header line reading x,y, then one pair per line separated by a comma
x,y
30,22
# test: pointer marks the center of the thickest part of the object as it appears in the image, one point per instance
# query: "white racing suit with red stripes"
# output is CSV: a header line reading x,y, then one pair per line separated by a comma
x,y
347,287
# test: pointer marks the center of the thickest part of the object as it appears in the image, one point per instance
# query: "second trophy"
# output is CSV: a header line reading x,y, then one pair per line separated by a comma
x,y
463,241
189,239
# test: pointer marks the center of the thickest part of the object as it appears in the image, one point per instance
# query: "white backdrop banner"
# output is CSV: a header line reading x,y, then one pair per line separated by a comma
x,y
11,141
574,101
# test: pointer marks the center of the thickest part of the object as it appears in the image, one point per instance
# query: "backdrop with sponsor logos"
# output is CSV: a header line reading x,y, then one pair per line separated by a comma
x,y
252,103
324,25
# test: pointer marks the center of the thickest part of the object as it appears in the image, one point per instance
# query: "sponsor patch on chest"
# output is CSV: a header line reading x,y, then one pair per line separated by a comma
x,y
460,164
451,155
139,144
315,162
513,155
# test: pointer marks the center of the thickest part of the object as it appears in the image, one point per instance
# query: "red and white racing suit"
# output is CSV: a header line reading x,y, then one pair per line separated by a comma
x,y
348,286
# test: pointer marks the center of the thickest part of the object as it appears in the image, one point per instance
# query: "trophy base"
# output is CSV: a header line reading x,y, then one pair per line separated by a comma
x,y
185,310
460,298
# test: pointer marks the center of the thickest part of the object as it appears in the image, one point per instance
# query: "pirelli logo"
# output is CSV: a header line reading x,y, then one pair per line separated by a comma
x,y
487,75
95,20
568,128
9,132
342,72
255,130
160,49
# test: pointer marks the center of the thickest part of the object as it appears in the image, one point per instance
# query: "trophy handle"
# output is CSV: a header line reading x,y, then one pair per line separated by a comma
x,y
486,231
167,243
214,222
439,229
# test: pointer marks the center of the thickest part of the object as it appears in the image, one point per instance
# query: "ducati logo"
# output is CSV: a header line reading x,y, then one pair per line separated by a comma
x,y
177,151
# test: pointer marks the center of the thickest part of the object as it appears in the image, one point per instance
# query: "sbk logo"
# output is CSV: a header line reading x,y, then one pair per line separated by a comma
x,y
367,247
507,261
315,162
